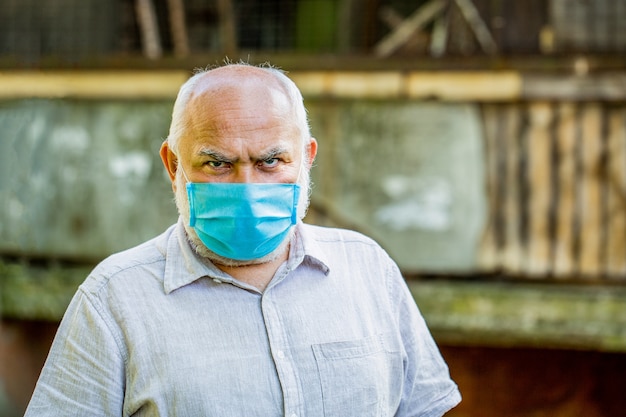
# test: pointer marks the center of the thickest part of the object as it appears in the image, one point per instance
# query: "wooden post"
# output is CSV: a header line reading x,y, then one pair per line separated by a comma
x,y
149,29
513,253
439,36
539,170
564,257
489,258
178,28
590,199
616,197
228,33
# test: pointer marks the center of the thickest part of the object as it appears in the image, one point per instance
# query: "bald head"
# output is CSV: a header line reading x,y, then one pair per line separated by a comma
x,y
203,98
238,124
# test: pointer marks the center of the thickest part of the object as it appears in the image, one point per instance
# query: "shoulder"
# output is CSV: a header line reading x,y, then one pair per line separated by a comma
x,y
335,235
129,266
342,245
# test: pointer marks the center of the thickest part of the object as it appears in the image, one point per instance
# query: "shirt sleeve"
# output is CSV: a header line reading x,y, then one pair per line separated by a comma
x,y
84,372
428,390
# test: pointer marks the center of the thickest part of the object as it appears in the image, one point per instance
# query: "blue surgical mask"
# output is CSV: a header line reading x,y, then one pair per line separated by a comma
x,y
242,221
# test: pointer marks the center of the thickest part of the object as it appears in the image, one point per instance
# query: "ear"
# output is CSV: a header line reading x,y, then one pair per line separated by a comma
x,y
310,152
170,160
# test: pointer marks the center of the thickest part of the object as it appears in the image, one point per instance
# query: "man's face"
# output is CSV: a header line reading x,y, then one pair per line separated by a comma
x,y
240,134
237,134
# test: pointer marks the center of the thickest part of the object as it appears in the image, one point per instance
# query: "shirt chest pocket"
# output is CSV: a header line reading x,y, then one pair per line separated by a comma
x,y
360,377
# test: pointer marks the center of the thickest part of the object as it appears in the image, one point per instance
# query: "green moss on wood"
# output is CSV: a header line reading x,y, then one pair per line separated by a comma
x,y
524,314
38,292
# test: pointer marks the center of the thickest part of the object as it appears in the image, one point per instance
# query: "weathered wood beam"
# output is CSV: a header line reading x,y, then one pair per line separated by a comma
x,y
91,84
479,86
453,86
602,86
565,233
398,37
590,185
466,313
478,26
539,189
616,198
509,314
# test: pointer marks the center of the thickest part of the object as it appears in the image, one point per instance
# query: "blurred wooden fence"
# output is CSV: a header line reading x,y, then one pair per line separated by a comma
x,y
556,178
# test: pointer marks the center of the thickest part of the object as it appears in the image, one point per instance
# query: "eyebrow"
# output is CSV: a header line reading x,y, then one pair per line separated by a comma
x,y
272,153
218,156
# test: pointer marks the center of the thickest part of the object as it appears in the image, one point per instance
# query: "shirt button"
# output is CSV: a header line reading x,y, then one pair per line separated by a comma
x,y
281,355
217,281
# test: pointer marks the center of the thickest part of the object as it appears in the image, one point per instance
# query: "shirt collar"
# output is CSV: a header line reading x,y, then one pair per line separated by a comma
x,y
184,266
305,247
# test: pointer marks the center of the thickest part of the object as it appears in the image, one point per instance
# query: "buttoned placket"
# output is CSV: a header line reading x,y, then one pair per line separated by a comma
x,y
283,361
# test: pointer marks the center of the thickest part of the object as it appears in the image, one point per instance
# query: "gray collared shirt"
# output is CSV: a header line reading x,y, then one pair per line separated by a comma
x,y
158,331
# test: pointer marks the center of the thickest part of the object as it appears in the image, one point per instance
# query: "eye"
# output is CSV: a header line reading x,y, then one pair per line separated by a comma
x,y
216,164
270,162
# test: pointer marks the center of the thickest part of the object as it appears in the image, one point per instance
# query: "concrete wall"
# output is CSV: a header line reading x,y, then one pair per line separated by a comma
x,y
82,179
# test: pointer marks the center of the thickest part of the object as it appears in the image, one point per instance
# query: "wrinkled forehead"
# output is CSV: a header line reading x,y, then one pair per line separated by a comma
x,y
240,86
240,104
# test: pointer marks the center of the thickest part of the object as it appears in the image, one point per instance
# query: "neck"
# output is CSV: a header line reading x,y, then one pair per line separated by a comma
x,y
257,275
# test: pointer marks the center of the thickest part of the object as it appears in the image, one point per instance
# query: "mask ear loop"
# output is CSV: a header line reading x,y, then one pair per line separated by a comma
x,y
190,199
302,162
183,171
298,189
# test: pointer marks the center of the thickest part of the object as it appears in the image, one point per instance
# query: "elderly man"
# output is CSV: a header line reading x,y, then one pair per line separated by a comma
x,y
240,309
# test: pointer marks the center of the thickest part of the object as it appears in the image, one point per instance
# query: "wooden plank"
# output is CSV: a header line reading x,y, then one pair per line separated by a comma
x,y
397,37
448,86
513,251
602,87
480,86
92,84
564,256
379,85
489,250
464,86
540,189
416,43
591,192
149,29
616,195
478,26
